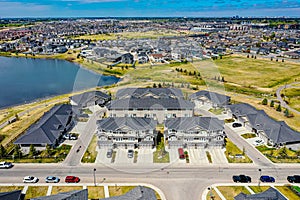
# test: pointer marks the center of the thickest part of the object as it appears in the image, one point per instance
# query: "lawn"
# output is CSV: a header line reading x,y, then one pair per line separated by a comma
x,y
248,135
53,156
229,192
161,155
232,150
216,111
10,188
208,157
214,194
36,191
286,191
91,153
95,192
282,155
119,190
258,189
292,97
59,189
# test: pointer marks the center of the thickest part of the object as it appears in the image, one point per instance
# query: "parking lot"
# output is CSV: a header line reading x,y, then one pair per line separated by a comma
x,y
218,156
198,156
145,156
102,158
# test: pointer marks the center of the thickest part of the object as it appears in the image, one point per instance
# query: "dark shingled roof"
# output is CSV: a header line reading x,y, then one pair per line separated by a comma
x,y
143,92
95,96
13,195
190,123
214,97
137,193
277,131
133,123
150,103
74,195
269,194
49,127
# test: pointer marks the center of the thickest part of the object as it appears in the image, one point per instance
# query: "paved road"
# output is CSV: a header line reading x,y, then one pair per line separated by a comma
x,y
282,102
176,182
74,156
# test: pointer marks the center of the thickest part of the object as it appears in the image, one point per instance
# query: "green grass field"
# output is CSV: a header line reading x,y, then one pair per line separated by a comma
x,y
119,190
293,97
36,191
232,150
59,189
286,191
258,189
91,153
248,135
282,155
95,192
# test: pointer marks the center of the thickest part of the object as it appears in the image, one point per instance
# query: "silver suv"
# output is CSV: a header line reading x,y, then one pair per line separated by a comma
x,y
130,153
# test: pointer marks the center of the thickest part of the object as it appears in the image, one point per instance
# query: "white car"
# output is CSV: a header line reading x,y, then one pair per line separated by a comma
x,y
5,165
30,179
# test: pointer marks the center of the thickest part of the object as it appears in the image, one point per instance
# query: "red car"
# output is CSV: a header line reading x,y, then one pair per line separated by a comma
x,y
72,179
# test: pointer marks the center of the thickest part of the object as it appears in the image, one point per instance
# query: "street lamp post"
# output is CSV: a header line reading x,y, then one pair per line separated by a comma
x,y
259,177
94,176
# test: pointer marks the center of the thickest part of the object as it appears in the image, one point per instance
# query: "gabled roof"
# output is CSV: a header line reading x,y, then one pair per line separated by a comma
x,y
48,128
137,193
13,195
269,194
150,103
277,131
192,123
141,92
126,123
214,97
75,194
86,97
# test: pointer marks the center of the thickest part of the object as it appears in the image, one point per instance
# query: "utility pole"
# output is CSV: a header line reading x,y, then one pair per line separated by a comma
x,y
94,176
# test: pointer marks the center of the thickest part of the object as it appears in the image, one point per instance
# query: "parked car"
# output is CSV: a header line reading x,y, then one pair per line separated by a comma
x,y
269,179
73,137
109,153
6,165
294,179
130,153
235,125
30,179
72,179
66,136
241,178
52,179
181,153
258,142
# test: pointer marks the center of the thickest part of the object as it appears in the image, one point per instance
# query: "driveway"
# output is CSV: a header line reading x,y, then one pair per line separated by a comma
x,y
198,156
145,156
121,157
79,127
174,157
218,156
101,157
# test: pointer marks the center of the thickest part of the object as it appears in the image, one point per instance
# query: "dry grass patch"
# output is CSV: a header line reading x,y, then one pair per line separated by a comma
x,y
229,192
91,153
119,190
259,189
10,188
214,194
95,192
59,189
286,191
36,191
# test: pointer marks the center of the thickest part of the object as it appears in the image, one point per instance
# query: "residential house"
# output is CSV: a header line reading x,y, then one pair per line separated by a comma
x,y
156,103
90,99
269,194
48,130
72,195
137,193
194,132
13,195
128,132
209,98
126,58
276,133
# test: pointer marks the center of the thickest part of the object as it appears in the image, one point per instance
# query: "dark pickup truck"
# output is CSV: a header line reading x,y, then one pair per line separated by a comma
x,y
241,178
294,179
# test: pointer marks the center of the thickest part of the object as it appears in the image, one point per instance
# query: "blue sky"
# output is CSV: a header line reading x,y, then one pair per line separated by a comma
x,y
152,8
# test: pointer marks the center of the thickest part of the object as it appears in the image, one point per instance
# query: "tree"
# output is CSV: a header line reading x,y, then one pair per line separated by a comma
x,y
32,151
272,104
159,85
17,152
2,151
154,85
264,101
17,117
278,109
286,113
223,79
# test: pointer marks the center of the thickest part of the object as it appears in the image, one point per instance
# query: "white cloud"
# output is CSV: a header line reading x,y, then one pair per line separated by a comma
x,y
12,9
